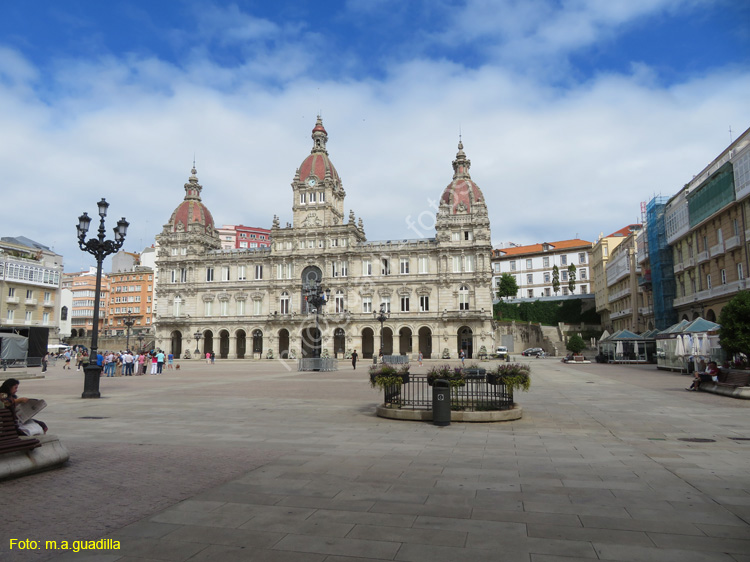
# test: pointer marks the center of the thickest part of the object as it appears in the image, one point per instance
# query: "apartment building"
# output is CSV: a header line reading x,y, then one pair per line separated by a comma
x,y
131,301
30,281
82,286
533,266
622,273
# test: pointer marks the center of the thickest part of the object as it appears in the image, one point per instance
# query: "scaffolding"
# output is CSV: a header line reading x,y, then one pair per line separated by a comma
x,y
662,266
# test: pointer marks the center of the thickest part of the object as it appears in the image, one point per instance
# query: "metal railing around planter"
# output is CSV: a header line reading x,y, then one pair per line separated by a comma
x,y
317,364
395,359
475,395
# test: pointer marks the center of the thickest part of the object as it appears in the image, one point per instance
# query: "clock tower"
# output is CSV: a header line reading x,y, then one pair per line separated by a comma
x,y
317,190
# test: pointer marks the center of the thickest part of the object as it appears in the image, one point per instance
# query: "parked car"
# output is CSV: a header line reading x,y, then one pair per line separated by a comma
x,y
533,352
501,352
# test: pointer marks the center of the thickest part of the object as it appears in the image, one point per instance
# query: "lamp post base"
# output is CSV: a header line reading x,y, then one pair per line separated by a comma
x,y
91,375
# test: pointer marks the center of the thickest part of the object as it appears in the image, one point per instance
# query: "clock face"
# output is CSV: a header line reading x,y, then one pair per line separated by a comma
x,y
311,182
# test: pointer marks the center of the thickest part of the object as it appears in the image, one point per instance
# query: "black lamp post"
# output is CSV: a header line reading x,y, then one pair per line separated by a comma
x,y
100,249
197,336
316,298
140,343
128,324
381,317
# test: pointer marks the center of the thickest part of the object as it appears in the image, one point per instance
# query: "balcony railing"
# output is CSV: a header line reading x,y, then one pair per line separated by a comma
x,y
620,314
679,268
12,300
619,294
732,243
702,257
713,292
717,250
31,302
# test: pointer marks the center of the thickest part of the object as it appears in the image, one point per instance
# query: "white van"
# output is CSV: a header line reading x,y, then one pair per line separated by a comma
x,y
501,352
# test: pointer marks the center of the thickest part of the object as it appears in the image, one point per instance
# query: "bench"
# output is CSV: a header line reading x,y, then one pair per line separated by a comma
x,y
10,441
733,379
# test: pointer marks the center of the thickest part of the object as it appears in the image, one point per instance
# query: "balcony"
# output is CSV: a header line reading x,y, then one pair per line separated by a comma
x,y
48,304
31,302
732,243
679,268
13,300
702,258
713,292
690,262
717,250
646,310
619,294
620,314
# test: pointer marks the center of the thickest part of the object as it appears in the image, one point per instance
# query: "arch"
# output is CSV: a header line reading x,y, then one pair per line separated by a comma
x,y
339,342
73,333
283,343
685,317
710,315
425,342
176,343
257,341
82,333
241,336
368,343
310,275
208,341
387,341
404,341
64,313
466,341
224,344
695,316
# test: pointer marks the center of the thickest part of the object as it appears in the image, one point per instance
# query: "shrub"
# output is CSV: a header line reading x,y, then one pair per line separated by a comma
x,y
513,376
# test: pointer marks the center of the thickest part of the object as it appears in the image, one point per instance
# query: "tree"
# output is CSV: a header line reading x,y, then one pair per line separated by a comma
x,y
575,344
555,279
507,286
734,335
572,278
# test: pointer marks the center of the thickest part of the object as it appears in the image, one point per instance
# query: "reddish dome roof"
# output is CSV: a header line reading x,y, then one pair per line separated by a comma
x,y
462,192
191,212
318,164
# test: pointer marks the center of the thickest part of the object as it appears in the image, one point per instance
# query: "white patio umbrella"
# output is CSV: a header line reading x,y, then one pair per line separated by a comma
x,y
679,348
618,350
705,346
635,350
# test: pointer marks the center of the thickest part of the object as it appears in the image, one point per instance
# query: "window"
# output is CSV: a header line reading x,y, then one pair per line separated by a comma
x,y
344,269
530,293
563,260
334,269
312,197
424,264
47,296
208,309
334,242
563,275
565,291
582,257
705,243
257,307
512,265
11,291
302,198
339,301
584,289
404,304
708,281
29,294
547,292
740,272
174,278
529,278
224,305
529,264
385,266
723,276
241,273
183,275
29,314
241,308
284,303
45,318
404,266
455,236
468,235
456,264
209,274
545,261
736,227
547,277
387,302
367,305
259,272
469,263
605,250
225,273
582,273
174,251
183,251
463,298
366,268
11,314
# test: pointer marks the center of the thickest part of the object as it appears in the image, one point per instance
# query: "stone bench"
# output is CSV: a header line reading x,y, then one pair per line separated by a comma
x,y
20,455
731,383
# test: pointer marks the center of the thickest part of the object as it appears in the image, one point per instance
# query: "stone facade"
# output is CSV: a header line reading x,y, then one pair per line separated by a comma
x,y
251,303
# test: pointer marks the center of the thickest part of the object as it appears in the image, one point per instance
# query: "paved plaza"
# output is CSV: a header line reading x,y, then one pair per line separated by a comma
x,y
250,461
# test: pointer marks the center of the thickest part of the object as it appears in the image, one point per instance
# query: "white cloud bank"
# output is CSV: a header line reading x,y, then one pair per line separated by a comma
x,y
552,163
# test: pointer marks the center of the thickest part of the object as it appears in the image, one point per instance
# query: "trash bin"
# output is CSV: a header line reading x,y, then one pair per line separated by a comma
x,y
441,402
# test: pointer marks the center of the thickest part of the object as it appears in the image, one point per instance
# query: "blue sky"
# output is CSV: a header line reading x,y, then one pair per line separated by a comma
x,y
572,112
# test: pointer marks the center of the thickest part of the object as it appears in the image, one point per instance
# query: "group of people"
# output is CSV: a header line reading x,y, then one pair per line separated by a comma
x,y
127,363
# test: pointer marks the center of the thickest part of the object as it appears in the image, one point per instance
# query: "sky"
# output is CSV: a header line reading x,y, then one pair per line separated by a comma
x,y
572,112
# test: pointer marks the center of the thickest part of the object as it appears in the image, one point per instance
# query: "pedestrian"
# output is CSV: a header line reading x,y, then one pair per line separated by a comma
x,y
66,355
159,362
208,358
45,360
420,358
153,362
170,360
213,357
354,359
462,355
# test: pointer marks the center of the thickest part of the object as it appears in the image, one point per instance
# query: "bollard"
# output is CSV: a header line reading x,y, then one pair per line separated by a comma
x,y
441,402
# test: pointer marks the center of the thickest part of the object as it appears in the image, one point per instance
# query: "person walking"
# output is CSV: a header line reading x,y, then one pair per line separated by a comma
x,y
159,362
45,360
354,359
208,358
213,357
420,358
170,360
462,356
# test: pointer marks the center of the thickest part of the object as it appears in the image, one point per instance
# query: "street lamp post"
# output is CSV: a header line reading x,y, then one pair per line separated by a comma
x,y
128,324
197,336
381,317
140,343
100,249
316,298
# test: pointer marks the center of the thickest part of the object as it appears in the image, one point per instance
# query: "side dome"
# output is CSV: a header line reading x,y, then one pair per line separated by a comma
x,y
318,165
191,214
462,195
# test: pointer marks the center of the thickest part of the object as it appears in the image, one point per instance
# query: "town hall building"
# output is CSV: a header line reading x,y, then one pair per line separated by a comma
x,y
253,302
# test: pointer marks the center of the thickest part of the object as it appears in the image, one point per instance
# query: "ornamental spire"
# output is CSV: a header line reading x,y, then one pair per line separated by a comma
x,y
461,164
192,187
320,137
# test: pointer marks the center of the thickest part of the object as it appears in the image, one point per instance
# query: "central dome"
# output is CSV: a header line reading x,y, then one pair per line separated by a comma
x,y
462,195
318,165
191,213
